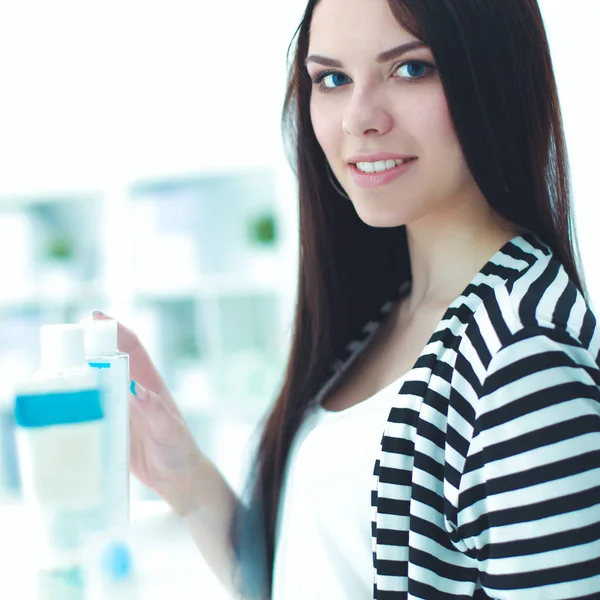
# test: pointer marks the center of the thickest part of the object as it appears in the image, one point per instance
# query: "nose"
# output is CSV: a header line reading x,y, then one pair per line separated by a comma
x,y
366,115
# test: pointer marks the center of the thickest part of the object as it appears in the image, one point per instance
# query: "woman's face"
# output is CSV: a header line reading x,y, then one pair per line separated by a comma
x,y
372,105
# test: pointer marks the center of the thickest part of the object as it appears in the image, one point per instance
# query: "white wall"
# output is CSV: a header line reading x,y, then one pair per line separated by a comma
x,y
96,91
573,32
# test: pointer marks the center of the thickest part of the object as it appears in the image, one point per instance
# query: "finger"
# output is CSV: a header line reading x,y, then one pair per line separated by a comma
x,y
137,458
141,367
164,426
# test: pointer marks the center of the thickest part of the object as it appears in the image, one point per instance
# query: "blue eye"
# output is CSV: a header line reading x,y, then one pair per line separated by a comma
x,y
335,79
328,81
415,69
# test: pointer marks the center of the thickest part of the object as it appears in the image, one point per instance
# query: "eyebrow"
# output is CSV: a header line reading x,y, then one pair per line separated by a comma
x,y
382,58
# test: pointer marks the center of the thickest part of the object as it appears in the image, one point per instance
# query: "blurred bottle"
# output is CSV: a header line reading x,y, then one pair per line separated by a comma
x,y
110,572
102,353
60,428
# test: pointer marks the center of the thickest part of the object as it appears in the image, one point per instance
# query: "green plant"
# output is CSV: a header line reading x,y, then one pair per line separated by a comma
x,y
263,229
60,248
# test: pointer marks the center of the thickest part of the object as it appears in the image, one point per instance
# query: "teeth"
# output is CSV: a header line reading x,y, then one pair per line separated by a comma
x,y
379,166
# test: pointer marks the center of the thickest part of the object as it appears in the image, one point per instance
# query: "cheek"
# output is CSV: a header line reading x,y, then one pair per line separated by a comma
x,y
432,128
424,127
327,127
430,123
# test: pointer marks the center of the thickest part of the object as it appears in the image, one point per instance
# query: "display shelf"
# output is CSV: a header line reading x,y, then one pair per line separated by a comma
x,y
209,285
37,197
64,293
56,296
167,561
200,267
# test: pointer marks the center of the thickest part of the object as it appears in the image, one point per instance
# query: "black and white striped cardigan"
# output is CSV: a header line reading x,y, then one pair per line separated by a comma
x,y
487,484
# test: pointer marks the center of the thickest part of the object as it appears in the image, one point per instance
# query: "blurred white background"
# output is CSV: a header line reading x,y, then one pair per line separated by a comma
x,y
142,173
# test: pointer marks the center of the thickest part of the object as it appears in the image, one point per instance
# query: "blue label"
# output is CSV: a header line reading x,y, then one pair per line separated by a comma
x,y
58,408
100,365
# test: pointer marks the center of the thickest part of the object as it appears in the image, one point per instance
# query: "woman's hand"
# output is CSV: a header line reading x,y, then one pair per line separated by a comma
x,y
163,453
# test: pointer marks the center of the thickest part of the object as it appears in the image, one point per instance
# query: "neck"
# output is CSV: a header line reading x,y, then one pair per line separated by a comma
x,y
444,258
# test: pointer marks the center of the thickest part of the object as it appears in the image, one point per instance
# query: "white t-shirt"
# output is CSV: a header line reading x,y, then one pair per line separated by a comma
x,y
323,546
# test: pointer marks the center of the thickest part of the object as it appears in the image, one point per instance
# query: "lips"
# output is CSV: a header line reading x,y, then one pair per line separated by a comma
x,y
376,157
380,178
381,165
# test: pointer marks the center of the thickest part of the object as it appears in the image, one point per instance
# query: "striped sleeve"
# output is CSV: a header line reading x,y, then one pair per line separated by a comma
x,y
529,495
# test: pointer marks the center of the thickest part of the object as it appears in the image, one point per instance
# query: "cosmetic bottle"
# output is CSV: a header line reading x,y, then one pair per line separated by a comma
x,y
60,435
100,343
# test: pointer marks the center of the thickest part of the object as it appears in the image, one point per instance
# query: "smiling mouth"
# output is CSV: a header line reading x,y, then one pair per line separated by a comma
x,y
381,166
377,174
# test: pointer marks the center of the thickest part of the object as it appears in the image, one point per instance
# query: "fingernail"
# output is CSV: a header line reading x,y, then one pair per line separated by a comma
x,y
138,391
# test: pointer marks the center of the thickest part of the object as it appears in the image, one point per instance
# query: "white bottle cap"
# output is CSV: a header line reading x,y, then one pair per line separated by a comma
x,y
61,347
100,337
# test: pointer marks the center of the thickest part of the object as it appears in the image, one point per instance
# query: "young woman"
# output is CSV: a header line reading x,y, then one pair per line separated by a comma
x,y
438,430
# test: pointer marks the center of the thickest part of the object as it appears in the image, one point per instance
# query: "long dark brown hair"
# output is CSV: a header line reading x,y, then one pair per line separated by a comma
x,y
494,63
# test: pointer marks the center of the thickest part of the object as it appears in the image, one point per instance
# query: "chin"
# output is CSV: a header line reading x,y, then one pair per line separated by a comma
x,y
373,217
